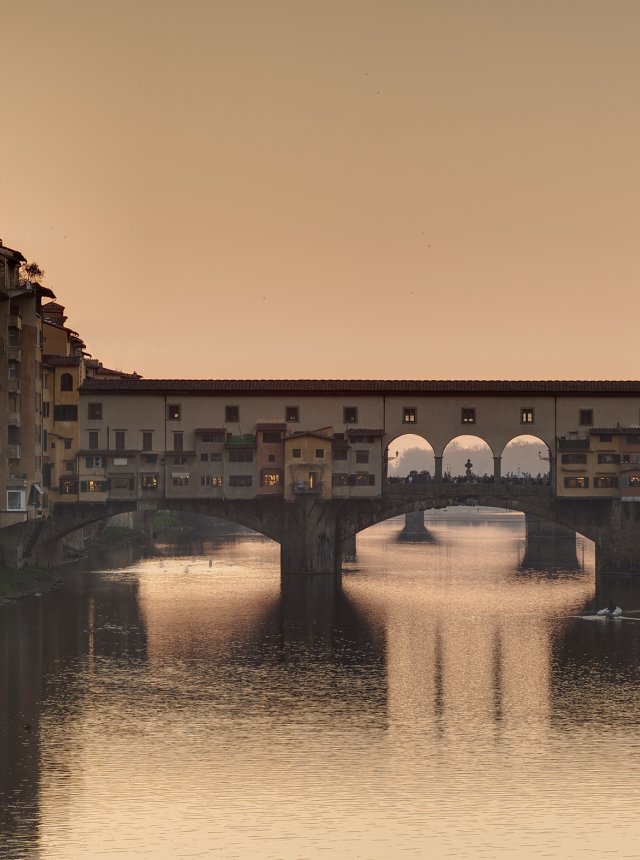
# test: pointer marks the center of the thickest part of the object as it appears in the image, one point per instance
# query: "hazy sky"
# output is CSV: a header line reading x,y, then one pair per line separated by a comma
x,y
338,189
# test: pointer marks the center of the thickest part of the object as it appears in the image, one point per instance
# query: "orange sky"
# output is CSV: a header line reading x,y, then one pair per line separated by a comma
x,y
331,188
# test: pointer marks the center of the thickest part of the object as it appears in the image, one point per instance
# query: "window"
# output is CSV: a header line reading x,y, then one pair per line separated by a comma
x,y
150,458
527,415
14,369
292,414
93,440
633,440
468,415
577,483
580,459
94,411
350,415
178,441
93,462
320,453
362,456
585,417
119,439
631,481
271,478
605,437
66,382
15,500
364,479
340,479
14,336
211,480
271,458
65,412
180,480
608,458
240,480
340,453
180,460
605,483
45,409
215,457
231,414
241,456
204,458
296,452
67,444
208,438
69,466
149,480
95,486
409,415
147,440
174,412
68,486
272,436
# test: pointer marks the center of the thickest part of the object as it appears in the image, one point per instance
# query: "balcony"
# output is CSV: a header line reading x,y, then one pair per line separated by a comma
x,y
14,353
13,385
14,321
14,419
245,441
302,488
573,444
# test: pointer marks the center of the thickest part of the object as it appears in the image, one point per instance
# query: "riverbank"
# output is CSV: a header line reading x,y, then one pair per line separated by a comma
x,y
15,584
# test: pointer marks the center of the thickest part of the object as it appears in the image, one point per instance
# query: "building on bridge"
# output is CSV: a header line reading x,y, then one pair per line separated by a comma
x,y
242,439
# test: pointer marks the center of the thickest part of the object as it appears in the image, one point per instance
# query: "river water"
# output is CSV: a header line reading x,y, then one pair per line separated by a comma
x,y
442,702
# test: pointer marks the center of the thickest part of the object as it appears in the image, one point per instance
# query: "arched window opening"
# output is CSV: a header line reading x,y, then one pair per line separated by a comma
x,y
410,458
66,382
468,458
526,460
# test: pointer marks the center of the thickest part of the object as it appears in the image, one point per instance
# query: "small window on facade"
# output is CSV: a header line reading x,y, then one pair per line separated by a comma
x,y
292,414
527,415
409,415
272,436
120,440
296,452
350,415
240,480
149,480
93,440
606,483
66,382
216,457
174,411
468,415
585,417
180,480
271,458
271,478
204,458
67,443
580,482
147,440
178,441
340,479
340,453
231,414
94,411
320,453
605,437
362,456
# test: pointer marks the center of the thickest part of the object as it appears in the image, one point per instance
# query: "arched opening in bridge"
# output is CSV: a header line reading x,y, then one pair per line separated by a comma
x,y
468,458
526,460
410,457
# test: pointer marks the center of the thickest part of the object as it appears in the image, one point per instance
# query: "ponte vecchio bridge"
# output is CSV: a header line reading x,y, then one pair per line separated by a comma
x,y
305,462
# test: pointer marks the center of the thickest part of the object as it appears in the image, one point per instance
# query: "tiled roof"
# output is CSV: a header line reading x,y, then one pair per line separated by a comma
x,y
203,430
356,431
619,431
271,425
61,360
365,386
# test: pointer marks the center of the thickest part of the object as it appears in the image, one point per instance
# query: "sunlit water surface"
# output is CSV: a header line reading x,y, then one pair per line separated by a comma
x,y
443,703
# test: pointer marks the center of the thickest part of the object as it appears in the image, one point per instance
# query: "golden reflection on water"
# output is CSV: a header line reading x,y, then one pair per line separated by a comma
x,y
442,703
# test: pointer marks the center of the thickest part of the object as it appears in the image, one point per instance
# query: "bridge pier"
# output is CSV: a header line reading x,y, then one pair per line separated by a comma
x,y
310,541
618,543
415,529
349,547
437,471
497,468
549,545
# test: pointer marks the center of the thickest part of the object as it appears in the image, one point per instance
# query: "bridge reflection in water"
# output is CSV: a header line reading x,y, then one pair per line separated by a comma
x,y
158,693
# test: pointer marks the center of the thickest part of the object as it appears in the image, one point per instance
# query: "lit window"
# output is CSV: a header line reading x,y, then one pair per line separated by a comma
x,y
409,415
271,477
174,411
468,416
527,415
180,480
350,415
149,480
292,414
580,482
